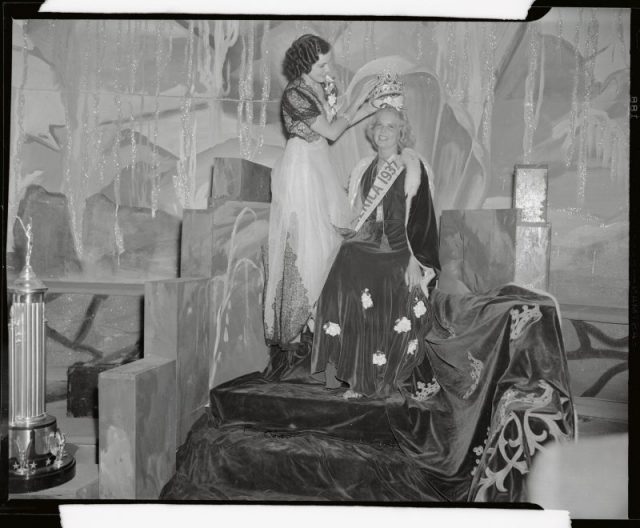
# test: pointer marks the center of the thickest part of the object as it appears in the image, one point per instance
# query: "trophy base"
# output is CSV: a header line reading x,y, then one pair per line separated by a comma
x,y
36,468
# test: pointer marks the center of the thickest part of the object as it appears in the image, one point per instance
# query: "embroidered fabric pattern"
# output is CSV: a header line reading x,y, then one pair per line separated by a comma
x,y
291,304
524,426
426,390
300,106
476,371
523,319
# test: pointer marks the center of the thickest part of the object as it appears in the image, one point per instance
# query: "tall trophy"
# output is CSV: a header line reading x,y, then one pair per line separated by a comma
x,y
38,458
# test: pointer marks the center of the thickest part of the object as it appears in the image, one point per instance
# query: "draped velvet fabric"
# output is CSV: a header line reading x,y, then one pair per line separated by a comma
x,y
492,388
500,374
457,417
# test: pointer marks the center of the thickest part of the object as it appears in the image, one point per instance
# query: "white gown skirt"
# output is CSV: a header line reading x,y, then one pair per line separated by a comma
x,y
308,202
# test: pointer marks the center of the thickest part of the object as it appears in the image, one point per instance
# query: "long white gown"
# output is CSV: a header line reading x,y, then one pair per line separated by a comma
x,y
308,203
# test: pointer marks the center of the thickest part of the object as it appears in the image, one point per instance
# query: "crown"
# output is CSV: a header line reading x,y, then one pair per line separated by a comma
x,y
389,91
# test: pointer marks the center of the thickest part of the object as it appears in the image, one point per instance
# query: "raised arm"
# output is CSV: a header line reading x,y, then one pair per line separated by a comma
x,y
355,113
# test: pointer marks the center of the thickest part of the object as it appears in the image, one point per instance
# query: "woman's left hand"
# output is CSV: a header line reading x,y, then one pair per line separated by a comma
x,y
345,232
413,274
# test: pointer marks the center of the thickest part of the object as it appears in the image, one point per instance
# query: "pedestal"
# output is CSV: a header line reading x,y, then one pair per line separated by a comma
x,y
530,192
533,246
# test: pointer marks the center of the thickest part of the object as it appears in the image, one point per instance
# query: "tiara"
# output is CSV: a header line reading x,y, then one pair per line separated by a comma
x,y
389,91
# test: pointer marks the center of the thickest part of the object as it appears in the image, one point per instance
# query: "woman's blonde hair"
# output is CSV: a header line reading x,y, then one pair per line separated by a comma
x,y
405,139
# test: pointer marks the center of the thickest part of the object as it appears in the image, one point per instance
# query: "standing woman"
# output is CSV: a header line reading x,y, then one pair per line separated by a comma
x,y
308,201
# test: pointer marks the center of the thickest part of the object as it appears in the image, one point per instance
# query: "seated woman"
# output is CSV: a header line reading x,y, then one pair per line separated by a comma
x,y
372,315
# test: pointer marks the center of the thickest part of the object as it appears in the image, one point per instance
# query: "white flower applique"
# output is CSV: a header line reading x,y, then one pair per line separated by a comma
x,y
419,309
332,329
412,347
366,300
379,358
476,371
402,325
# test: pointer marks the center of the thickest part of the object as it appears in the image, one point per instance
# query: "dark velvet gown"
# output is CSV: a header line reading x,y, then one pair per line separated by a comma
x,y
382,323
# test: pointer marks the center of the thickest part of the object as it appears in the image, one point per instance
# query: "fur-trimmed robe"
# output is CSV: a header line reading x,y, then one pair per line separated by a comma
x,y
422,233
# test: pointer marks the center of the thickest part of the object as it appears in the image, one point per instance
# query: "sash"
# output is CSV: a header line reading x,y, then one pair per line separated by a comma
x,y
381,184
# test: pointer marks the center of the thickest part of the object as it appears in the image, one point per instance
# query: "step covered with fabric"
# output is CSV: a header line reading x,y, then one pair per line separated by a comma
x,y
234,463
253,402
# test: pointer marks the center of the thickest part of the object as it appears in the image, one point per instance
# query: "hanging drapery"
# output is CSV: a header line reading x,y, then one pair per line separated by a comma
x,y
251,143
488,82
183,180
591,46
533,85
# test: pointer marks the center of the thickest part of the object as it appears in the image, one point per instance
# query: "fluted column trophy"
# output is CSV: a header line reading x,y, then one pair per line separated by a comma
x,y
38,458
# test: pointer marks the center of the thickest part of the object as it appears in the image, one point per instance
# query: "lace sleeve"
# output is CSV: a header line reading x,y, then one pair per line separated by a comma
x,y
299,111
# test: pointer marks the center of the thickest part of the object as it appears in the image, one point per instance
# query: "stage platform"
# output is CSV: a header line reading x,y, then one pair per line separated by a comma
x,y
254,403
297,442
264,441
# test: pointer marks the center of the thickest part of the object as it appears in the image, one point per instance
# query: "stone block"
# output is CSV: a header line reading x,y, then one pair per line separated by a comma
x,y
137,427
54,253
197,248
256,182
176,326
237,344
148,247
241,231
479,246
237,332
238,179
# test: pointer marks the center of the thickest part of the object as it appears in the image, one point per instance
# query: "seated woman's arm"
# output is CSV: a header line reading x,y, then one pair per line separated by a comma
x,y
422,233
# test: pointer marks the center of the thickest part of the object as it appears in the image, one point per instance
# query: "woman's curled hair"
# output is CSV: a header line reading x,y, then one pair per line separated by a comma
x,y
303,54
